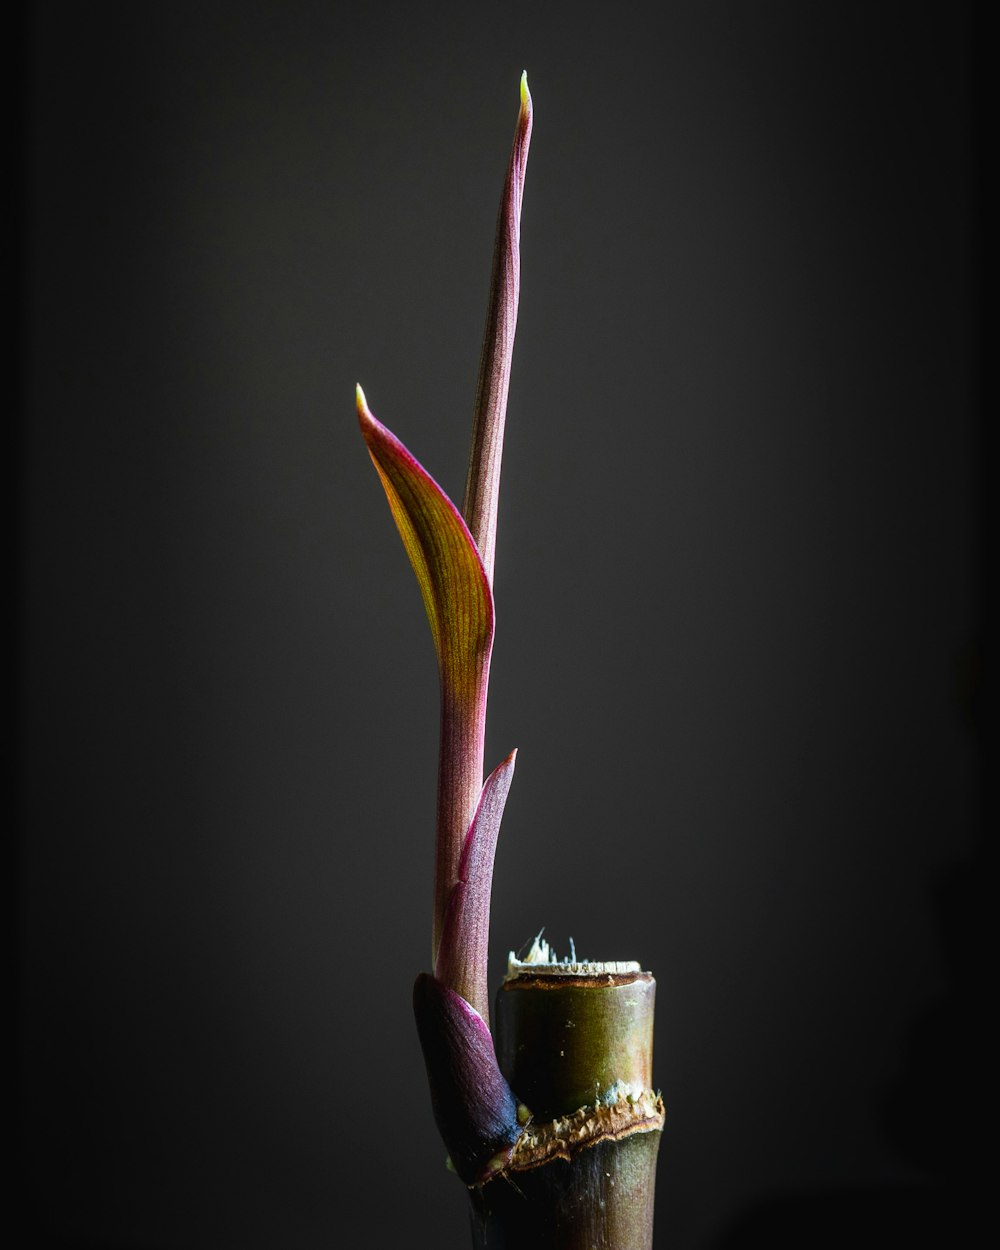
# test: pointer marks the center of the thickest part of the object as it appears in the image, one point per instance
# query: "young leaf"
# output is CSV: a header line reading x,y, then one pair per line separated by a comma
x,y
476,1112
482,487
462,955
459,606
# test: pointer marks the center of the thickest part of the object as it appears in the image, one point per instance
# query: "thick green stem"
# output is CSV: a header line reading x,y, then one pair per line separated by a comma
x,y
575,1042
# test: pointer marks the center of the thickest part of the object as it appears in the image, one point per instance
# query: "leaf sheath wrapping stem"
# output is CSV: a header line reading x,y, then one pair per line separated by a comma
x,y
462,955
476,1113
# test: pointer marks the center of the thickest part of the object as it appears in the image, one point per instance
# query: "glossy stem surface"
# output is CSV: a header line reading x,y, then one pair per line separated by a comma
x,y
578,1051
601,1200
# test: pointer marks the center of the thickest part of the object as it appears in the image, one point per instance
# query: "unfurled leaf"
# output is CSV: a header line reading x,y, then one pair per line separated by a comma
x,y
478,1116
444,557
459,605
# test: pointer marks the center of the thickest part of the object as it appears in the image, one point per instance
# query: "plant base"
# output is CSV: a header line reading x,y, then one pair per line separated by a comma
x,y
575,1041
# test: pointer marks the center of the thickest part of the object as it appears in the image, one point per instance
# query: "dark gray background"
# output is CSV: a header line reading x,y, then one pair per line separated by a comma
x,y
738,583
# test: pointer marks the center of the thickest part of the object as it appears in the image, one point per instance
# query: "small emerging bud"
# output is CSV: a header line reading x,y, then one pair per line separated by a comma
x,y
476,1113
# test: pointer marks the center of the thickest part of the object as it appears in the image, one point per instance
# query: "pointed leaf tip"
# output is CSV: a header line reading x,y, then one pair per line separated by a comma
x,y
452,581
482,485
459,605
464,950
359,397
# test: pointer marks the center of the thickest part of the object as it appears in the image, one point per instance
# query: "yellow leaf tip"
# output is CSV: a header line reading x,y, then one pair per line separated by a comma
x,y
525,93
362,403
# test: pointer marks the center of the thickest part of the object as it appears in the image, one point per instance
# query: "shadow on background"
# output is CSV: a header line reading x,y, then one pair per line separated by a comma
x,y
850,1217
933,1117
72,1243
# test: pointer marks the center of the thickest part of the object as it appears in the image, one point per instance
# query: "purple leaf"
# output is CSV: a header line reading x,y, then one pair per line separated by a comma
x,y
476,1112
459,606
482,488
462,955
453,563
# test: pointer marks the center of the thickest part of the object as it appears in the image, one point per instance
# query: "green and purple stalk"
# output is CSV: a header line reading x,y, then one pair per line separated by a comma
x,y
453,555
453,558
593,1120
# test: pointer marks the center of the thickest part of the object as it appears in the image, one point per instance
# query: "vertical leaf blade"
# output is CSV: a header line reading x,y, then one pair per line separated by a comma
x,y
482,488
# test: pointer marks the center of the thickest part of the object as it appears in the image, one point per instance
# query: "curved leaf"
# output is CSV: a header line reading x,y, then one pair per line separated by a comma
x,y
453,582
459,605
